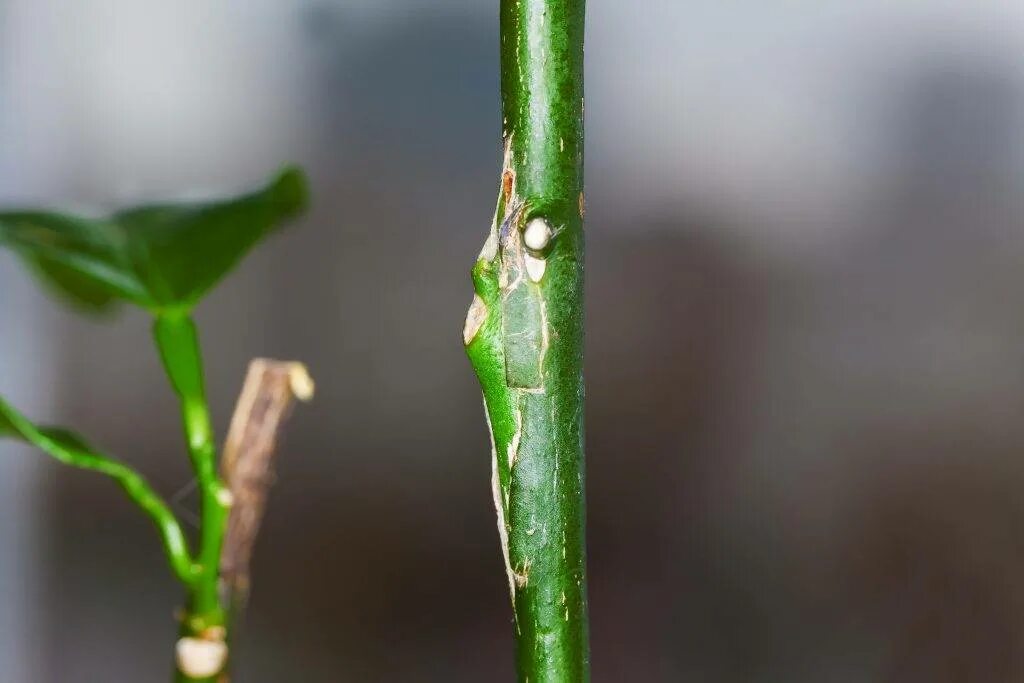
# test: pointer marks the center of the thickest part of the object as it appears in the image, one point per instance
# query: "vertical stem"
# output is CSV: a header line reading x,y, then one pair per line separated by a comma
x,y
178,343
524,337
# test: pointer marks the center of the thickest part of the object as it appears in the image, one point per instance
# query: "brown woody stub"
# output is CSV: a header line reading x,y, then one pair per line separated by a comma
x,y
269,391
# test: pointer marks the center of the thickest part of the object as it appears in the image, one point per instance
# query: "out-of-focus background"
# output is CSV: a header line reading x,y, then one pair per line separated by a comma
x,y
805,344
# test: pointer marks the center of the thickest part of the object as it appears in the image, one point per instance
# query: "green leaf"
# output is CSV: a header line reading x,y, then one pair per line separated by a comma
x,y
14,426
161,257
70,449
69,284
7,428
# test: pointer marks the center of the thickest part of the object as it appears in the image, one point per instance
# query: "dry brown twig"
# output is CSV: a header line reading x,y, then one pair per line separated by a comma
x,y
267,396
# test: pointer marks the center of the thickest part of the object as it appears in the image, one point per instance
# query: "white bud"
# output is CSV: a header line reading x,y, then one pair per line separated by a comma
x,y
537,234
224,497
198,658
535,267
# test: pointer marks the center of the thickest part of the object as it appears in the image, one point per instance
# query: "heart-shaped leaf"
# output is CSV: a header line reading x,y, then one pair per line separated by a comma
x,y
161,257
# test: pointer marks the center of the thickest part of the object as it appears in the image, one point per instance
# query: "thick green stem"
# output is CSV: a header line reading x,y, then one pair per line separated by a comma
x,y
524,336
178,343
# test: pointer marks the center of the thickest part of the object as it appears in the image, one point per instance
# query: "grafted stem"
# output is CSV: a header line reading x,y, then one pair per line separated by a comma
x,y
524,337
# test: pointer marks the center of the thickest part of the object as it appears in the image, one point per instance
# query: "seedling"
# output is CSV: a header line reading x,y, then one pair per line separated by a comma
x,y
165,259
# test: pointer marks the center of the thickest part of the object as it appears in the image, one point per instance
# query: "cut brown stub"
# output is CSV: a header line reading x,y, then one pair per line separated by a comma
x,y
264,405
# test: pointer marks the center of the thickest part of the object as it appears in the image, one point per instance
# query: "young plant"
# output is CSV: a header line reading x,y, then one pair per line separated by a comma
x,y
165,258
524,337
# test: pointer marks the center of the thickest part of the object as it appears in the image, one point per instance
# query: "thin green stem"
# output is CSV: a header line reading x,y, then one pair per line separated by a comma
x,y
178,343
70,450
524,337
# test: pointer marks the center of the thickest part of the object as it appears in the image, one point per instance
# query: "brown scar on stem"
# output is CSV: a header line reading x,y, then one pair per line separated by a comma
x,y
583,205
508,180
523,578
508,176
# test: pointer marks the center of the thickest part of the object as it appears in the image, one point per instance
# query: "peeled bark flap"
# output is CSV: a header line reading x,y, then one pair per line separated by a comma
x,y
523,335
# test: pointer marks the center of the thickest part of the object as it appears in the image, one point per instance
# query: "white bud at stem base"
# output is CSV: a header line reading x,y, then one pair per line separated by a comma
x,y
199,658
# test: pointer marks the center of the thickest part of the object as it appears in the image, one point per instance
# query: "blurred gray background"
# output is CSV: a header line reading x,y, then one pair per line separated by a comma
x,y
805,350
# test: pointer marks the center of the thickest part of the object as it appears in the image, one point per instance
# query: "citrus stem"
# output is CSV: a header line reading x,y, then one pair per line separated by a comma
x,y
524,337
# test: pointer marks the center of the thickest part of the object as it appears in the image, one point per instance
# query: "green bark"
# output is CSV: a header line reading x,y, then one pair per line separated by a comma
x,y
524,336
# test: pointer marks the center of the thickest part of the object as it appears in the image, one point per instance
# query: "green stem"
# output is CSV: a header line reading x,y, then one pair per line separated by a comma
x,y
178,343
70,450
524,337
